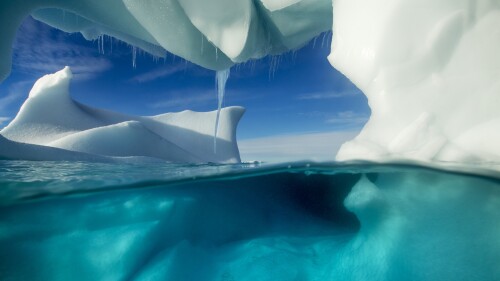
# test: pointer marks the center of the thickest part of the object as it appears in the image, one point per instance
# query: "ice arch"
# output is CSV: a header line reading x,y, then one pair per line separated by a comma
x,y
72,131
215,34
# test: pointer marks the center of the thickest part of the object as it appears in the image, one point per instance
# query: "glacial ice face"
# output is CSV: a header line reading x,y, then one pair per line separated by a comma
x,y
430,70
215,34
50,118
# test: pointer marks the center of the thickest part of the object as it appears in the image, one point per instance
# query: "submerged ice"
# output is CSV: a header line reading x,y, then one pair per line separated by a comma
x,y
50,119
398,223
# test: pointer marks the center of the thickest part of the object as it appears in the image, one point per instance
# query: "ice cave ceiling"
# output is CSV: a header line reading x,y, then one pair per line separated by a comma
x,y
214,34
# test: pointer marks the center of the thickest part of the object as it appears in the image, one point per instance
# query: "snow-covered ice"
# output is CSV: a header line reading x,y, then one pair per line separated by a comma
x,y
51,118
430,70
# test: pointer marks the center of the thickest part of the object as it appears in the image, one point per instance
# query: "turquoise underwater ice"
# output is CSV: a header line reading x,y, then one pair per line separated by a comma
x,y
62,221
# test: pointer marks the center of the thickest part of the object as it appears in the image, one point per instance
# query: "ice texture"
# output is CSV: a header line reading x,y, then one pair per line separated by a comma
x,y
51,118
430,70
215,34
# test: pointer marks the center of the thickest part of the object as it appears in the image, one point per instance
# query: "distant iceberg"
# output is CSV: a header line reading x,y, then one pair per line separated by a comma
x,y
49,118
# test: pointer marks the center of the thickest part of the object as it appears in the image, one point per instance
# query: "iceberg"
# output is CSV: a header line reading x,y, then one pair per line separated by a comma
x,y
430,70
413,61
215,34
50,118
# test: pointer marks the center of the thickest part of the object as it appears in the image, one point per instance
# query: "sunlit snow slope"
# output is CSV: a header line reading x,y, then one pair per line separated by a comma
x,y
49,117
431,72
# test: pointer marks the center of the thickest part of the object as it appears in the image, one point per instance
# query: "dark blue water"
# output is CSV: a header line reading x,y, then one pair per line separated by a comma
x,y
295,221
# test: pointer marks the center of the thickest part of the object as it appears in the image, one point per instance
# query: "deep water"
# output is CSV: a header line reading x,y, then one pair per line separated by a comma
x,y
294,221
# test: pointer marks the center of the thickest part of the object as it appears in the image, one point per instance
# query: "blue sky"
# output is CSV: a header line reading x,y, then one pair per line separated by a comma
x,y
301,101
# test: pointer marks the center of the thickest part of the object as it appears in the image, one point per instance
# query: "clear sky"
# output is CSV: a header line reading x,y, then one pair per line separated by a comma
x,y
298,106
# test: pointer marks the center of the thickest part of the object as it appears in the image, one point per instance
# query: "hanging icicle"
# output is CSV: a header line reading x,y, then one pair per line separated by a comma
x,y
220,82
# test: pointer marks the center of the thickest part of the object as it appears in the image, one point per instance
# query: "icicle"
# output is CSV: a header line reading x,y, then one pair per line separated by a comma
x,y
274,62
314,41
102,44
326,39
323,39
134,56
294,56
99,44
220,81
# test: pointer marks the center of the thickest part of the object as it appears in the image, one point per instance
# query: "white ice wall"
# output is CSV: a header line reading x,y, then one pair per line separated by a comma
x,y
431,73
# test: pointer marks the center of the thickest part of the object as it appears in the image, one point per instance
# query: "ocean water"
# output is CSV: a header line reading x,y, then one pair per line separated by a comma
x,y
252,221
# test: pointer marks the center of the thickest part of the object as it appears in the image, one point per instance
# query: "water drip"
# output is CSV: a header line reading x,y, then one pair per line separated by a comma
x,y
221,77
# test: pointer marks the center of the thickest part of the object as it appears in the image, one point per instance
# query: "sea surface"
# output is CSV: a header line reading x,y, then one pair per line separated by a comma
x,y
250,221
